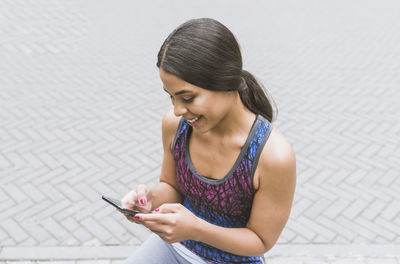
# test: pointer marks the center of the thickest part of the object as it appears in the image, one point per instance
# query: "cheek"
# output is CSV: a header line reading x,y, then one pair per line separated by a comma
x,y
200,106
211,108
220,103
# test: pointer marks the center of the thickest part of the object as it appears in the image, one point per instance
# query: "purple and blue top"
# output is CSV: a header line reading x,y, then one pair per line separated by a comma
x,y
224,202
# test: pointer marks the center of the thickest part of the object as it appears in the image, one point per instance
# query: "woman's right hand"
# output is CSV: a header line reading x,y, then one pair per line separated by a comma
x,y
137,200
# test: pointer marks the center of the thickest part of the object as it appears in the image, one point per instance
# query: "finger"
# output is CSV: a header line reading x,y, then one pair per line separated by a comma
x,y
142,194
168,208
129,200
160,234
131,218
155,227
158,218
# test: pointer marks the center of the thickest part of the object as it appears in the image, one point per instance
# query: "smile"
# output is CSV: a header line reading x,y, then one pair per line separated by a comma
x,y
193,120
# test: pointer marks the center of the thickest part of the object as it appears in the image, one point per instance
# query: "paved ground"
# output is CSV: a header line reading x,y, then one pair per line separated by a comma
x,y
81,105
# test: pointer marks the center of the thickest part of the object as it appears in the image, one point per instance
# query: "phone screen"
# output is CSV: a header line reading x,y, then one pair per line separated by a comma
x,y
117,204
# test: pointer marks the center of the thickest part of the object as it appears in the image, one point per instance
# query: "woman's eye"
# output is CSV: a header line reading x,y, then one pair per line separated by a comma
x,y
185,100
189,100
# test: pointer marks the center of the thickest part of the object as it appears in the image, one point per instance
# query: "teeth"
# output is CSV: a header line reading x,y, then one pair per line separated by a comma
x,y
193,120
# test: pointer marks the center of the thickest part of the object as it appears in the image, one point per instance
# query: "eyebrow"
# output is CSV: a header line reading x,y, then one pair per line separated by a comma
x,y
180,92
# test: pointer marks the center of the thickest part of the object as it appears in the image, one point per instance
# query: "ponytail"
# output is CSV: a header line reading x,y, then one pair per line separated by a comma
x,y
256,98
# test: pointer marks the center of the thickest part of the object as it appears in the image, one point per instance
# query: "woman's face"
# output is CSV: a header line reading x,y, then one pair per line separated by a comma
x,y
203,109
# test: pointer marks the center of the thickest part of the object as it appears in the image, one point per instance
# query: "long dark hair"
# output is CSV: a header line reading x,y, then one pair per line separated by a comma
x,y
205,53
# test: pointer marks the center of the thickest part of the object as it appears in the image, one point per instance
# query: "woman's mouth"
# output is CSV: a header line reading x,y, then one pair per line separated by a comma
x,y
194,121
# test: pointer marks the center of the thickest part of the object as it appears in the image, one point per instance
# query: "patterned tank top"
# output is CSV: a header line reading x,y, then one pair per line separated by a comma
x,y
224,202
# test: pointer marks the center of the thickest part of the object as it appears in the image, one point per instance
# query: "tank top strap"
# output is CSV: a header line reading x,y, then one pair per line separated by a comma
x,y
258,138
181,130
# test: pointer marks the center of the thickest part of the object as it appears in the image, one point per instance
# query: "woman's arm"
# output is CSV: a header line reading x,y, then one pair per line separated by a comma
x,y
166,191
276,179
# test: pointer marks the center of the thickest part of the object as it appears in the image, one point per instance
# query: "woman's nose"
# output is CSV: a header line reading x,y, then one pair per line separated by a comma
x,y
179,109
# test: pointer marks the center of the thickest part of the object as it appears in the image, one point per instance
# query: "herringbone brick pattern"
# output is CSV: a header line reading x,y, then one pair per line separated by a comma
x,y
81,106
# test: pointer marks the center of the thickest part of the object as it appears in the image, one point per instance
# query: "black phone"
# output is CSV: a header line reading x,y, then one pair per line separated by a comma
x,y
117,204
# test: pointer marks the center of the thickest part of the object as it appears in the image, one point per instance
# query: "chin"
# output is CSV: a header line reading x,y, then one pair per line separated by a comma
x,y
201,130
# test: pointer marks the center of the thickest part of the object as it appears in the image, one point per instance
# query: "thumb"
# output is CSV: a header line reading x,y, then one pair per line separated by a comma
x,y
142,193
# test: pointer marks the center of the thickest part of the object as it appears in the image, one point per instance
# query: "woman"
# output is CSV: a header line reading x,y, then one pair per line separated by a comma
x,y
228,176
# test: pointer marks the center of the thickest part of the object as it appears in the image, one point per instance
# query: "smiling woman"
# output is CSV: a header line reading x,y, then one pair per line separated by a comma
x,y
195,51
228,176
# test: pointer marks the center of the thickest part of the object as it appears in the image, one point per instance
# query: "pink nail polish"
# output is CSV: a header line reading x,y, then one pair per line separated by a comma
x,y
137,217
142,201
157,209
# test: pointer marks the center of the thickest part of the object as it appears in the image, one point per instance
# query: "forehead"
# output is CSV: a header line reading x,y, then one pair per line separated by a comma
x,y
169,78
173,84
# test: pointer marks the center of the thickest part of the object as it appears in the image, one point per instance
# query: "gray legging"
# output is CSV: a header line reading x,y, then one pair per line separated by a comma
x,y
156,251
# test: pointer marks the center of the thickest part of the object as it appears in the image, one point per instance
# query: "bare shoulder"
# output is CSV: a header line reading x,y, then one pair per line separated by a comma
x,y
277,149
170,123
277,161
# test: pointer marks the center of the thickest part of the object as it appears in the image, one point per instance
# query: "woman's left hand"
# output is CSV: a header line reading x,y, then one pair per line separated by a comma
x,y
172,222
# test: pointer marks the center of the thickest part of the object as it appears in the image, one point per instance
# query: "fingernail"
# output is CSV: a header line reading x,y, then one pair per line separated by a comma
x,y
157,209
137,217
142,201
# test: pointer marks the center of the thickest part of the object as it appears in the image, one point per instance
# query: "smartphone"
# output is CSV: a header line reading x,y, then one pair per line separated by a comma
x,y
117,204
